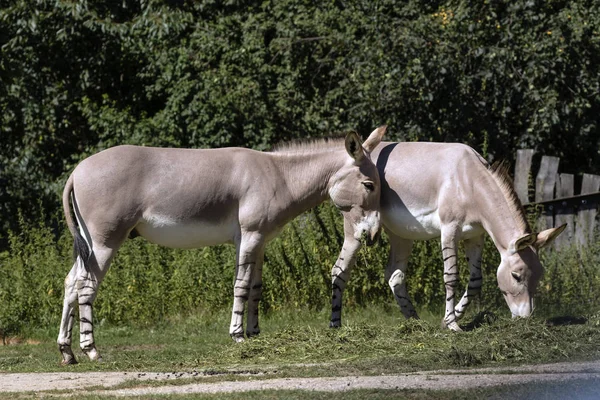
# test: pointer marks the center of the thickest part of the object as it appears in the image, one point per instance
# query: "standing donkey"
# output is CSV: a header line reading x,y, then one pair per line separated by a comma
x,y
191,198
448,190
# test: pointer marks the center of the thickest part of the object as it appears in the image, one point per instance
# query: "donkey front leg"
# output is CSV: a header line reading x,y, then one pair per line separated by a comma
x,y
68,317
473,250
394,273
249,250
252,328
340,274
449,253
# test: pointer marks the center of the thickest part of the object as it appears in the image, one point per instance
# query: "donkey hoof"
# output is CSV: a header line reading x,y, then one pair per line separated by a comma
x,y
238,338
67,355
92,353
252,334
453,326
335,324
70,361
413,315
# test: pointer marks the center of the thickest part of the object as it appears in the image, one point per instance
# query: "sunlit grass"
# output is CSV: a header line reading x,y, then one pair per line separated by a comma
x,y
373,340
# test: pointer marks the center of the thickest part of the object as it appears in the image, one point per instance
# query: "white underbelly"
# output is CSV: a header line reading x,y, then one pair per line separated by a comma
x,y
421,224
186,234
418,225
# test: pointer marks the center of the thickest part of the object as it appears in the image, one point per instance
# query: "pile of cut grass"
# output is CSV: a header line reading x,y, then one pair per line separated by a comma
x,y
421,345
299,343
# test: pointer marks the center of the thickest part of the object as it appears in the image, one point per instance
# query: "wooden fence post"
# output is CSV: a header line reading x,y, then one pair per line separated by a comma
x,y
544,188
564,213
586,217
522,169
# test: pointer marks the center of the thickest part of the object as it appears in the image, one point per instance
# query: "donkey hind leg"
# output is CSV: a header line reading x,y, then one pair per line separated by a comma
x,y
449,253
68,316
395,273
255,295
249,249
340,274
473,250
87,289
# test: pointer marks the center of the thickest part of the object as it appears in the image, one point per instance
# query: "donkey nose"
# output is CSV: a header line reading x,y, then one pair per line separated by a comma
x,y
364,237
523,310
373,238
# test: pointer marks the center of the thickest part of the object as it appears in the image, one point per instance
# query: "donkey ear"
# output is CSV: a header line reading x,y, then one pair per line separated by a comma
x,y
353,146
522,242
546,237
374,139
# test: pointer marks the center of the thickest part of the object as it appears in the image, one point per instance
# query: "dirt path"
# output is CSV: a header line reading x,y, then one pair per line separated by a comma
x,y
446,379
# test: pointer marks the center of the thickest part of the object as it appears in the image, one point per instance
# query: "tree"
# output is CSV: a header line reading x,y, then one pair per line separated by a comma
x,y
78,77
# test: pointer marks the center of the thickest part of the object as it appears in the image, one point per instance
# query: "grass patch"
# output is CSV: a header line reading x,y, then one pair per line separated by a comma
x,y
373,341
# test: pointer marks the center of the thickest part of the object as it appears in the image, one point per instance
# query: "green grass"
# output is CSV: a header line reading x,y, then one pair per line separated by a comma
x,y
374,340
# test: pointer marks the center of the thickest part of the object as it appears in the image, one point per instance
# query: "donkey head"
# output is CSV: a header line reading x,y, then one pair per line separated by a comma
x,y
521,270
355,188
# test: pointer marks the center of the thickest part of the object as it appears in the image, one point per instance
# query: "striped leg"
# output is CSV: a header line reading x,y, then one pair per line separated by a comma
x,y
248,250
87,289
252,328
449,253
394,273
68,316
340,273
473,249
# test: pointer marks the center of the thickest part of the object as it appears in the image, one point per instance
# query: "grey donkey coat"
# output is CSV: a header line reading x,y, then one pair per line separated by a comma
x,y
190,198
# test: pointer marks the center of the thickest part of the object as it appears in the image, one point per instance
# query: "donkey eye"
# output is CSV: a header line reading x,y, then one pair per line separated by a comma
x,y
369,185
516,276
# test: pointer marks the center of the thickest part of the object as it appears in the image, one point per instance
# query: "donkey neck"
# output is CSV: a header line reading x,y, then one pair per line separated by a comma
x,y
498,212
307,175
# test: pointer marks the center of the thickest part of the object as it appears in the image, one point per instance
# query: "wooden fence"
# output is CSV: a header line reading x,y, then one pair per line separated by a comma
x,y
555,197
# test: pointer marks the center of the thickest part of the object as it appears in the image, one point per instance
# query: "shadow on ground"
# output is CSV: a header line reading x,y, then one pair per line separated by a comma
x,y
565,320
482,318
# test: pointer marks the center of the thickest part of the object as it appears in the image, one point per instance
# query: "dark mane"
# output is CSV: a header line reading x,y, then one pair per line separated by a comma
x,y
500,172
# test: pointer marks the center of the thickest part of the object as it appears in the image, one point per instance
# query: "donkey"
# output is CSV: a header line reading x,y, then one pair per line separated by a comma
x,y
188,198
448,190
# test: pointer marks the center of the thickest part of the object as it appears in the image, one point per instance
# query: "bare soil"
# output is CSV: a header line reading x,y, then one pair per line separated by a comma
x,y
442,379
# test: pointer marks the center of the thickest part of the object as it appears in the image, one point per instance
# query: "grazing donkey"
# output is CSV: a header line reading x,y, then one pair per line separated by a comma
x,y
191,198
448,190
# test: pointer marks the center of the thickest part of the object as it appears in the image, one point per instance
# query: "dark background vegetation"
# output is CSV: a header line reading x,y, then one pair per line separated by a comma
x,y
77,77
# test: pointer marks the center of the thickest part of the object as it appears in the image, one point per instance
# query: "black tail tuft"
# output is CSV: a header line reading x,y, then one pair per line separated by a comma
x,y
81,249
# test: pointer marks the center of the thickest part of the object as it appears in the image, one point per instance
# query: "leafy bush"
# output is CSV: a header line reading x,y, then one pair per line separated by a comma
x,y
147,284
31,277
572,280
77,77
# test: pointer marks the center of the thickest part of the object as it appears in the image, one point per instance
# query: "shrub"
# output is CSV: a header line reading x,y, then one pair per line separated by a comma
x,y
76,78
147,284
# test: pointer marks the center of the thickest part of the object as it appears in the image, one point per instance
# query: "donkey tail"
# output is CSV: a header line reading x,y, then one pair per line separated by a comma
x,y
80,246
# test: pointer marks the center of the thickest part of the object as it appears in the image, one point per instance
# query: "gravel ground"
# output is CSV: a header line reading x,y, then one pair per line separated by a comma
x,y
443,379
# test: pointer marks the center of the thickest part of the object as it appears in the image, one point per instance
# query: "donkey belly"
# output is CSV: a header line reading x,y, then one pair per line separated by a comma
x,y
416,225
186,234
421,224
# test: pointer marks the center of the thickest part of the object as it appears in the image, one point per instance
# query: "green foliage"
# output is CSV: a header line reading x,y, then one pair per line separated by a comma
x,y
571,277
148,284
31,276
77,77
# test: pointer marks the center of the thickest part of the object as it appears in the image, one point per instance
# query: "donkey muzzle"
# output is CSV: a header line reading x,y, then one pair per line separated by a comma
x,y
373,238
